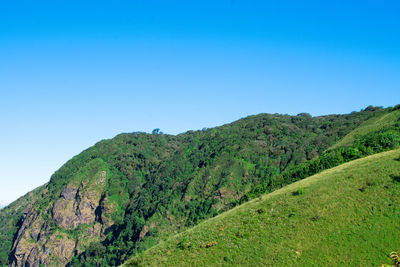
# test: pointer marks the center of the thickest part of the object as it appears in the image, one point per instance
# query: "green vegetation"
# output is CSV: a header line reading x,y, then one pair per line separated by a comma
x,y
345,216
386,138
382,120
174,182
10,217
158,185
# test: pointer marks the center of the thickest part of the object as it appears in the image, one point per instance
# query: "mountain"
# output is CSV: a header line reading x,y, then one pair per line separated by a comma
x,y
11,217
127,194
344,216
3,204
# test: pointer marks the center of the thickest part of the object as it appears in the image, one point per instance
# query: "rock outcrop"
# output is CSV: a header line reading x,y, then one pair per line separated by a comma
x,y
75,207
52,237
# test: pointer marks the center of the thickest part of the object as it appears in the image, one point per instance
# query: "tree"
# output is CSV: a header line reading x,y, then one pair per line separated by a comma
x,y
156,131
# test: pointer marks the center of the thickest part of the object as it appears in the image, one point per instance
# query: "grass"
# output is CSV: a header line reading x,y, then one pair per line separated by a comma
x,y
375,123
345,216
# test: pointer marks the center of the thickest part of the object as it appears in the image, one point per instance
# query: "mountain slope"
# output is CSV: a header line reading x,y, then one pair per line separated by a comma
x,y
2,204
126,194
346,216
10,217
383,119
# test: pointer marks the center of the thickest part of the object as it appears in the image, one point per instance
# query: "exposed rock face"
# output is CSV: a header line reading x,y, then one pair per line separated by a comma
x,y
75,207
28,253
43,237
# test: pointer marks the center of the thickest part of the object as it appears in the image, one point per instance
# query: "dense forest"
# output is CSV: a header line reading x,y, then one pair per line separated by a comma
x,y
142,188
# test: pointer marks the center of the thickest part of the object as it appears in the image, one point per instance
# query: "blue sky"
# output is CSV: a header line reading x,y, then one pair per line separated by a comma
x,y
75,72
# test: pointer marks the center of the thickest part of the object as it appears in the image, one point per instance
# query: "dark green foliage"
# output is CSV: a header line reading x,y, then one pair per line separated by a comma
x,y
298,192
184,244
157,131
374,142
167,183
395,178
332,224
372,108
93,257
260,210
194,176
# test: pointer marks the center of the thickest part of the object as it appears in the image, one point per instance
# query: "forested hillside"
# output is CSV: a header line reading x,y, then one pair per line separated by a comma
x,y
126,194
345,216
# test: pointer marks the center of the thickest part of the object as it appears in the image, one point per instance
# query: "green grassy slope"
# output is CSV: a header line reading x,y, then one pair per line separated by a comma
x,y
346,216
379,121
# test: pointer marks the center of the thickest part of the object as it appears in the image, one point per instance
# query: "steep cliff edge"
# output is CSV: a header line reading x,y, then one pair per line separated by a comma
x,y
68,224
10,221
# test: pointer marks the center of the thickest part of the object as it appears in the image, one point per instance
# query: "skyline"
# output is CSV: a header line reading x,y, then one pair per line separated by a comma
x,y
72,74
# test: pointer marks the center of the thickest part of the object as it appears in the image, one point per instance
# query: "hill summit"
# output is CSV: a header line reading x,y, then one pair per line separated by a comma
x,y
127,194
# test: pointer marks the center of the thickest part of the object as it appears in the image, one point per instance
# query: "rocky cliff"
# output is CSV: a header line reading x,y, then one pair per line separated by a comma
x,y
64,228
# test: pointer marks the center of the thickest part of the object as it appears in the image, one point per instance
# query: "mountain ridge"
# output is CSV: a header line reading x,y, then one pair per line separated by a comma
x,y
138,189
3,204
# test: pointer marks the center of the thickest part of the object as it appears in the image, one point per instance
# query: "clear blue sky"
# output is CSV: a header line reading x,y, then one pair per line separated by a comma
x,y
75,72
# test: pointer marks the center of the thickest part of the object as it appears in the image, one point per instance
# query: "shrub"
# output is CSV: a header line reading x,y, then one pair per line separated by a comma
x,y
260,210
209,244
184,244
299,192
395,178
